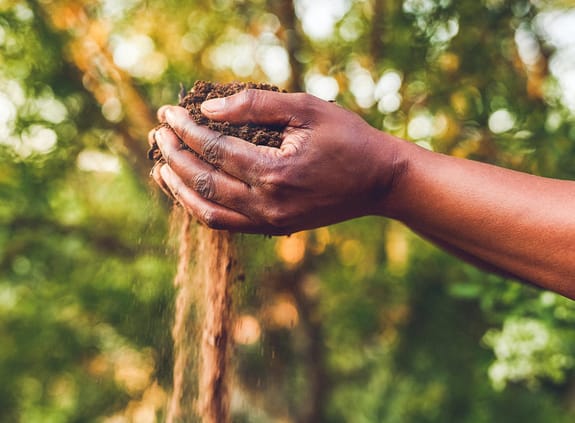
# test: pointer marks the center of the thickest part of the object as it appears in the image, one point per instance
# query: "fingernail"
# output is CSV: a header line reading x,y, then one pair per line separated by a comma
x,y
214,105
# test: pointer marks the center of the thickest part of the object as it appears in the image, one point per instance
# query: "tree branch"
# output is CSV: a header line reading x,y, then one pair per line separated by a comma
x,y
87,41
292,35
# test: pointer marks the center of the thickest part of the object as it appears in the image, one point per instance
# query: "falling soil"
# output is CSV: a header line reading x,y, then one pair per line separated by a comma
x,y
205,275
207,268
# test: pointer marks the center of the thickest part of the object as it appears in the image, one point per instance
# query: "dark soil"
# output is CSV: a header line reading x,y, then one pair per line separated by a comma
x,y
204,90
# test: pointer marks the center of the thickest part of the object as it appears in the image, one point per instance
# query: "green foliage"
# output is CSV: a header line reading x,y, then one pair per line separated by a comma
x,y
362,321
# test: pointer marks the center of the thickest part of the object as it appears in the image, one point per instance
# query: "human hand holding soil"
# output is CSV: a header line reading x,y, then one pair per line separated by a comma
x,y
331,166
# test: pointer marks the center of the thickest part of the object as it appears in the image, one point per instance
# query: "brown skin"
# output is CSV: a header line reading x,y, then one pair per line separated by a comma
x,y
333,166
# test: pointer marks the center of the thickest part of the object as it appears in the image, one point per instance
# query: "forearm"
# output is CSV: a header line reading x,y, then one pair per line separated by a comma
x,y
518,224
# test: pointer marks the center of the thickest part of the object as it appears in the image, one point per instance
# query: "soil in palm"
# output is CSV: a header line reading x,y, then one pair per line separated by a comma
x,y
204,90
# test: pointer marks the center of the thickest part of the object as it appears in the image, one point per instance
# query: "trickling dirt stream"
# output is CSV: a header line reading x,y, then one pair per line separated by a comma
x,y
204,278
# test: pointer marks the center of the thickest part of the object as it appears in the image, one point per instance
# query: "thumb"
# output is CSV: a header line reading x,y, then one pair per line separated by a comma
x,y
262,107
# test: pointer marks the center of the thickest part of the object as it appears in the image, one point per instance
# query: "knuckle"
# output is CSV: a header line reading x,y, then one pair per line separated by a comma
x,y
211,219
305,102
269,181
277,180
309,107
248,102
303,98
203,184
277,217
212,149
271,185
247,98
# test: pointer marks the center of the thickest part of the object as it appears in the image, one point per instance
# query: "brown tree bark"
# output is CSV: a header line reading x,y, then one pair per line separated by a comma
x,y
377,30
292,38
86,49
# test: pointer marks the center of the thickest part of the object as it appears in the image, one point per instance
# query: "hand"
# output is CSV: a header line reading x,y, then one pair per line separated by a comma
x,y
332,166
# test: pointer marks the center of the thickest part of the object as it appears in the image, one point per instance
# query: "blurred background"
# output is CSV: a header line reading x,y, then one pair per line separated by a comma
x,y
358,322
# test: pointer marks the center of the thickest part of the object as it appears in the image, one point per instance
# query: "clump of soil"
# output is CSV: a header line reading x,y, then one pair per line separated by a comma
x,y
204,90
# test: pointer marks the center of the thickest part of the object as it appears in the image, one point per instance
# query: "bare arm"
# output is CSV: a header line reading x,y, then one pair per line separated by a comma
x,y
332,166
518,224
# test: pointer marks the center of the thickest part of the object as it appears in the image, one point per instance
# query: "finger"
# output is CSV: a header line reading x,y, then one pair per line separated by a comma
x,y
160,113
157,177
154,152
234,156
263,108
211,214
210,183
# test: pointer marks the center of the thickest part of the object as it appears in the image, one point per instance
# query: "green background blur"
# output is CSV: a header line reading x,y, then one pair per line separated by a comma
x,y
358,322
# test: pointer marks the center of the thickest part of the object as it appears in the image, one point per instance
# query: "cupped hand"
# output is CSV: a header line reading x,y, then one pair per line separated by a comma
x,y
332,166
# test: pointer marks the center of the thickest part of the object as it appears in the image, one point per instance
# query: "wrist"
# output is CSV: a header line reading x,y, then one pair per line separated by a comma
x,y
394,163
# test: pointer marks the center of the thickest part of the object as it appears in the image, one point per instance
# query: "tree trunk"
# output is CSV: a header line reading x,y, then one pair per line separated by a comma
x,y
285,12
